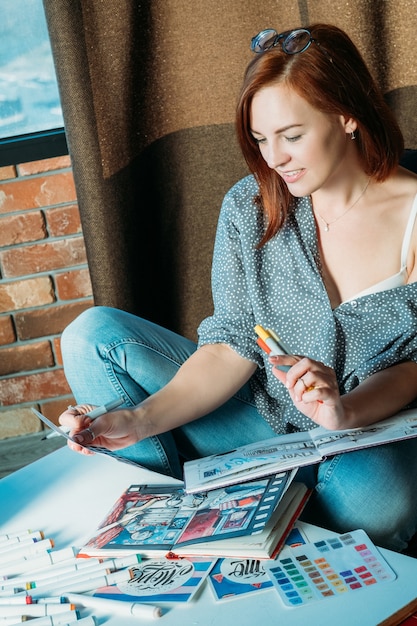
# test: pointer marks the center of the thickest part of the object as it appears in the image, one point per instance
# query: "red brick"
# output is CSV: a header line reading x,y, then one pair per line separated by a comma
x,y
45,165
43,257
8,172
25,358
57,350
26,293
63,221
20,228
40,191
73,285
18,421
33,387
7,334
47,321
53,408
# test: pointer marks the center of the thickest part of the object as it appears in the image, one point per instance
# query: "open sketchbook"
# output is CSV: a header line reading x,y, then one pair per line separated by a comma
x,y
158,520
292,451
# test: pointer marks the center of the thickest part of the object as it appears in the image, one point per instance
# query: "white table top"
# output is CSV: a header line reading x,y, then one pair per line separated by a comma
x,y
66,495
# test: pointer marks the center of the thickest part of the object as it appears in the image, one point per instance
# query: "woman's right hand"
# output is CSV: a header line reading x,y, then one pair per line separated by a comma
x,y
314,390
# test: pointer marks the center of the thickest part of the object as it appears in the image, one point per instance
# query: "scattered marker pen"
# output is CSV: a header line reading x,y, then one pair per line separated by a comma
x,y
62,580
77,567
63,620
119,607
18,533
35,610
26,538
51,600
80,585
46,578
19,542
25,551
26,563
21,600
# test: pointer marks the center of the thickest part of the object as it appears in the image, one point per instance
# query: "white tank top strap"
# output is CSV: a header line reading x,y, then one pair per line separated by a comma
x,y
408,233
400,278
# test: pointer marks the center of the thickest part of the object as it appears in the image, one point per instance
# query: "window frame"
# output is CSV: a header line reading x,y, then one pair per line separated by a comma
x,y
33,147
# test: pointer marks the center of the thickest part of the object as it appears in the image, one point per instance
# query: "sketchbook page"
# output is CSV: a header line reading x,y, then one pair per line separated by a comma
x,y
331,442
155,519
262,458
233,528
265,544
236,513
95,449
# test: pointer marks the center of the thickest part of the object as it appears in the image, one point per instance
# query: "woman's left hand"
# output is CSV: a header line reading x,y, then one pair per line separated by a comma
x,y
314,390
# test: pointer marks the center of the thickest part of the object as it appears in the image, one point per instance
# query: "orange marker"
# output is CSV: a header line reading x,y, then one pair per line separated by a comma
x,y
272,344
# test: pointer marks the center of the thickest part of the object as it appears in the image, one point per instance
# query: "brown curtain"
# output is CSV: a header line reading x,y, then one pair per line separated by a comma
x,y
148,90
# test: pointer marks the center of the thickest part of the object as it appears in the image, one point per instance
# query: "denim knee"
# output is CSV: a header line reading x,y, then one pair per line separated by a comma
x,y
372,489
87,324
77,335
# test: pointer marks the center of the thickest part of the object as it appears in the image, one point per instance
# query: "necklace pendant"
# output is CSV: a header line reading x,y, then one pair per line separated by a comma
x,y
326,225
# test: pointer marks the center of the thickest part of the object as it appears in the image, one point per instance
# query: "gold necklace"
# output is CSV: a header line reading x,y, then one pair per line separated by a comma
x,y
326,225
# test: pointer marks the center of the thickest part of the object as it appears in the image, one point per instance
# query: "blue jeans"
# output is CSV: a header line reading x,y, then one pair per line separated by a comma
x,y
109,353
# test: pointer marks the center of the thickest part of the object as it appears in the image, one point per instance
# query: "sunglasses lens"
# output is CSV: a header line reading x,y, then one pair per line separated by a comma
x,y
264,40
297,41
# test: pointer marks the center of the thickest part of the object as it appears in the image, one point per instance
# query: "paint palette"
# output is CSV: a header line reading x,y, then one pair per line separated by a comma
x,y
328,568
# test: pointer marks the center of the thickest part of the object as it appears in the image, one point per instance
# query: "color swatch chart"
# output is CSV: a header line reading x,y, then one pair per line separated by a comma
x,y
327,568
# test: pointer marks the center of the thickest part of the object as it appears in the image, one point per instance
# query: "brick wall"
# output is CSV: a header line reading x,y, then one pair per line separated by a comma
x,y
44,284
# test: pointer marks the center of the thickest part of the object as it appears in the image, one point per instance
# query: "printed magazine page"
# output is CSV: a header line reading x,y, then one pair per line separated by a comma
x,y
291,451
329,442
247,462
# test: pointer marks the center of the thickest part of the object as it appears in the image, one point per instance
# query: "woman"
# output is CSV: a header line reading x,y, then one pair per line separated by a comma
x,y
318,245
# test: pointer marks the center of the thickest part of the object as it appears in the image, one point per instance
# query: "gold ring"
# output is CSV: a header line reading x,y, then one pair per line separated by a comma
x,y
310,388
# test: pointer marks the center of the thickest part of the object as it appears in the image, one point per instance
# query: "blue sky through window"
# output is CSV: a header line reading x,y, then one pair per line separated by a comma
x,y
29,98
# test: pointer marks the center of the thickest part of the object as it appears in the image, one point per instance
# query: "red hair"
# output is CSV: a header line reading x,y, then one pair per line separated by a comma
x,y
333,77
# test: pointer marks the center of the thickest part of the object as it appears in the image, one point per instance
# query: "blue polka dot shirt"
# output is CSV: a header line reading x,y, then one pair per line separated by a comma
x,y
280,286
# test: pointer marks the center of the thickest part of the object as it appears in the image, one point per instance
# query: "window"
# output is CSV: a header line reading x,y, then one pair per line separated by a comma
x,y
31,123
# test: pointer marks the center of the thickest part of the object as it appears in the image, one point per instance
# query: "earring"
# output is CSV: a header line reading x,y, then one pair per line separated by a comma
x,y
352,135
